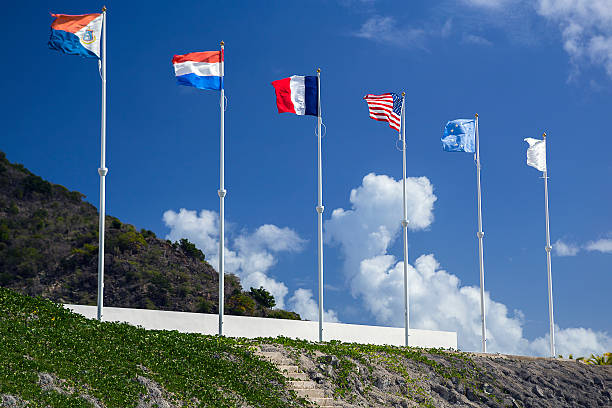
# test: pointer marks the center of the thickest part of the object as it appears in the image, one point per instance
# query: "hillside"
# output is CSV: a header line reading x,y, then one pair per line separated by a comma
x,y
53,357
49,247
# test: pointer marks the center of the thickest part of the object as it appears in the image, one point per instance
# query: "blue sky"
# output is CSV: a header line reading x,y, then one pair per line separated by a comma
x,y
524,67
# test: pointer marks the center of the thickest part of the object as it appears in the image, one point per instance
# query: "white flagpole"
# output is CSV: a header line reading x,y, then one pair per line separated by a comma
x,y
480,235
320,205
405,225
548,248
222,193
102,171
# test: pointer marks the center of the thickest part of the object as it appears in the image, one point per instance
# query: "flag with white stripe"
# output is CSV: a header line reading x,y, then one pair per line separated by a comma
x,y
386,108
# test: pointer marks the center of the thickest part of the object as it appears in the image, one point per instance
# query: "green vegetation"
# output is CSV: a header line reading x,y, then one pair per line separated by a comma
x,y
263,297
191,250
604,359
49,247
104,361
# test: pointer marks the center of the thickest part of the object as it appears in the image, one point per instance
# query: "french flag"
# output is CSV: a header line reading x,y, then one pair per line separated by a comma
x,y
297,94
77,34
202,70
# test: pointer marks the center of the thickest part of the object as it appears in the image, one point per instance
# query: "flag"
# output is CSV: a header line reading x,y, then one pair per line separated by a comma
x,y
459,136
386,108
536,153
202,70
77,35
297,94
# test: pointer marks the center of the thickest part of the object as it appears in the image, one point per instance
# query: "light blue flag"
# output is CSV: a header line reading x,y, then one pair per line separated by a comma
x,y
459,136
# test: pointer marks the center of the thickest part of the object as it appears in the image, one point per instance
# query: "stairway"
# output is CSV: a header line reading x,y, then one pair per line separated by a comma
x,y
298,381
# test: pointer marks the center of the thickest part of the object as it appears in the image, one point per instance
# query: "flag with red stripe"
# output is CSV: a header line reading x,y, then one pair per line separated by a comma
x,y
386,108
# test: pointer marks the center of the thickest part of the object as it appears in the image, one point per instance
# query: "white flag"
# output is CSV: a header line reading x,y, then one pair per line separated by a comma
x,y
536,153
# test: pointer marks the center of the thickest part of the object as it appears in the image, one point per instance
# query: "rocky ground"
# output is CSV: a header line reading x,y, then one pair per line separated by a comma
x,y
380,380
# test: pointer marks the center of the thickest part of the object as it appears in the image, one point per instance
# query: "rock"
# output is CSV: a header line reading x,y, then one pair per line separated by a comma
x,y
598,381
487,388
461,388
440,390
9,401
538,391
381,383
470,394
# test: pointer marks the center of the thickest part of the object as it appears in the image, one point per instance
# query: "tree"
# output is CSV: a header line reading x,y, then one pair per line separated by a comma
x,y
263,297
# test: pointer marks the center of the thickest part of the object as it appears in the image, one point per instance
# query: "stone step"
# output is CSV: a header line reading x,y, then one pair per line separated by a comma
x,y
312,393
297,376
288,368
324,402
295,384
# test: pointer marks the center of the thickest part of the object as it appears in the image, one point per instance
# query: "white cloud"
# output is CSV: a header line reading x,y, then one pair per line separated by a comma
x,y
446,28
586,27
250,256
367,229
565,249
303,303
579,341
438,301
475,39
385,30
602,245
492,4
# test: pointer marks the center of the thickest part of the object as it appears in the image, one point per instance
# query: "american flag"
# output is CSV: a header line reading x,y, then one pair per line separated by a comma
x,y
386,107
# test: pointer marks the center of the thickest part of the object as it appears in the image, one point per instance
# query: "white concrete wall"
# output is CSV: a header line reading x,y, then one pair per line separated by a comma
x,y
251,327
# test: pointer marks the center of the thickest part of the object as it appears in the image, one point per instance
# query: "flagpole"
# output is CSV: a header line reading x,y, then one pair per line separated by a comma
x,y
320,205
102,171
548,249
405,226
480,235
222,193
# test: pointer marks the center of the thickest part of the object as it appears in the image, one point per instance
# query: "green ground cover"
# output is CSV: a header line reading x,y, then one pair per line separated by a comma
x,y
102,361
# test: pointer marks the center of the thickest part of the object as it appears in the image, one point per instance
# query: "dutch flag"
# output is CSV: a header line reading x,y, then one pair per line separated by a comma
x,y
202,70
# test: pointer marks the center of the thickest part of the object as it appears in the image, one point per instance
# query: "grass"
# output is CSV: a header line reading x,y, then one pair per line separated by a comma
x,y
103,360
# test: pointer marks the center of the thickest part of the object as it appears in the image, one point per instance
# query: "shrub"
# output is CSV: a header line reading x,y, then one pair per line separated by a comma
x,y
241,304
115,223
147,233
35,184
263,297
130,239
13,209
191,250
283,314
205,306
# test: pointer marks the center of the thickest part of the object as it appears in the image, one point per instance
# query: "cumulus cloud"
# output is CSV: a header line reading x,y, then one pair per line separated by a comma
x,y
303,303
366,231
602,245
248,255
565,249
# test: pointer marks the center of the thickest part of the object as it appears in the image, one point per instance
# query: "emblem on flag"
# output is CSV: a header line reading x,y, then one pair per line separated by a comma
x,y
88,37
386,108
